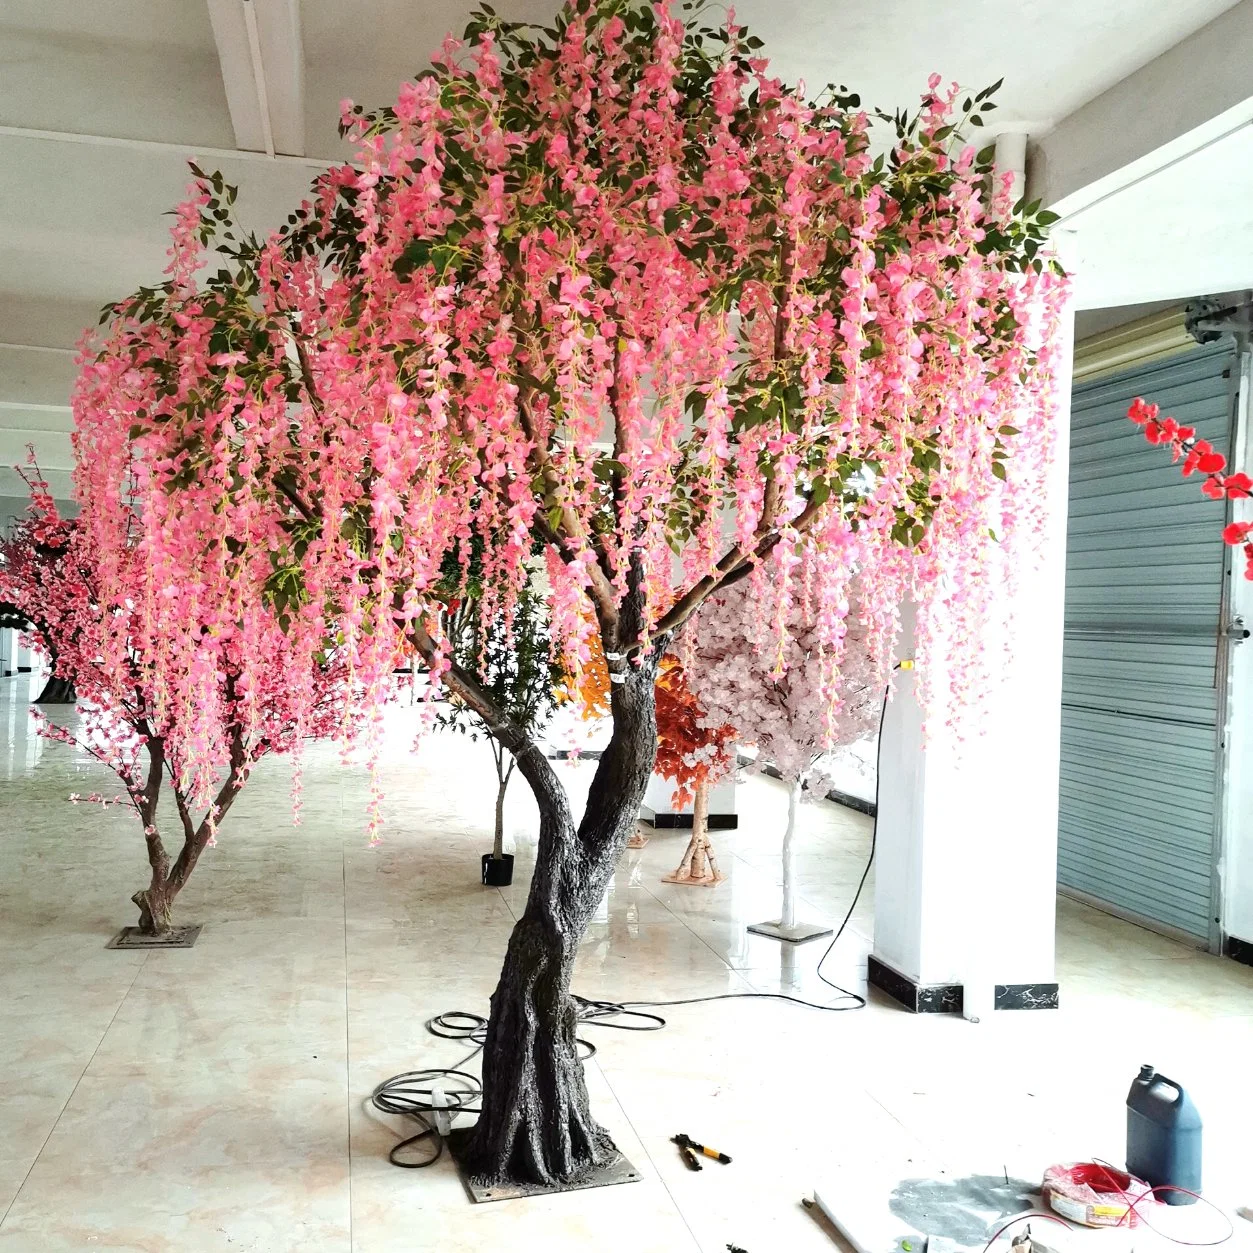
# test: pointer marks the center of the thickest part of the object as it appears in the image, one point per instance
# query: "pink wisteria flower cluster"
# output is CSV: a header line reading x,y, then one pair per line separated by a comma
x,y
602,295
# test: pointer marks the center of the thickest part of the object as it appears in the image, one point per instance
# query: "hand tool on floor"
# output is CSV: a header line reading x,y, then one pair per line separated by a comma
x,y
689,1158
687,1142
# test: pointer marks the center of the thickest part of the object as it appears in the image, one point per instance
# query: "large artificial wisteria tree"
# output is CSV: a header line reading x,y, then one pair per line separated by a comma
x,y
611,286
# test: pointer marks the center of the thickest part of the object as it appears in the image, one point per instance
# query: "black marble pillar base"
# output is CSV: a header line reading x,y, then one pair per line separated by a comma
x,y
946,998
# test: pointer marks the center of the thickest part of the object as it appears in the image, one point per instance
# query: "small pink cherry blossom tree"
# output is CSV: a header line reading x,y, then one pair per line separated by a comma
x,y
47,572
611,287
773,691
31,562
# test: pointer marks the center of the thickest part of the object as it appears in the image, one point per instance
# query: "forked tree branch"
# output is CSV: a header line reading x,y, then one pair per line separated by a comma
x,y
735,565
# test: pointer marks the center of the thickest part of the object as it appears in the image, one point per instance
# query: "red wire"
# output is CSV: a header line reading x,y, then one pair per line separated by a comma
x,y
1192,1244
1133,1204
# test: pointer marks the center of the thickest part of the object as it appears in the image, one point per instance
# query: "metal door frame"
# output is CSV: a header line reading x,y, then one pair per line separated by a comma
x,y
1231,626
1238,393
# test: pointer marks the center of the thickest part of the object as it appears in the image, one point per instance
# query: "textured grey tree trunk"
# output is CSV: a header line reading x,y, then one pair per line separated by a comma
x,y
536,1125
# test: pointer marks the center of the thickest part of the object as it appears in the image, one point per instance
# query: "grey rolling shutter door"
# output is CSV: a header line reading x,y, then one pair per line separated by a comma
x,y
1144,579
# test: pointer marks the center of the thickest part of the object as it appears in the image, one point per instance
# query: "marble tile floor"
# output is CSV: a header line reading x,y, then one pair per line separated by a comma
x,y
216,1098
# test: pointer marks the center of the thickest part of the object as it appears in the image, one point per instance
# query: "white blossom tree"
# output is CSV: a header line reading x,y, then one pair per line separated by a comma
x,y
767,684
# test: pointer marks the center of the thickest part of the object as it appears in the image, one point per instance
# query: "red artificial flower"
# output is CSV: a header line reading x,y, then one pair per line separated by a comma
x,y
1153,433
1201,456
1236,532
1142,411
1238,486
1213,487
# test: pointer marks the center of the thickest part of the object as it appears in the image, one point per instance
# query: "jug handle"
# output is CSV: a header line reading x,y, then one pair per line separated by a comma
x,y
1170,1083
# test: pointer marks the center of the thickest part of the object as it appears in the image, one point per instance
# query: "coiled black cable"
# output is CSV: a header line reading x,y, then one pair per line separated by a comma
x,y
413,1094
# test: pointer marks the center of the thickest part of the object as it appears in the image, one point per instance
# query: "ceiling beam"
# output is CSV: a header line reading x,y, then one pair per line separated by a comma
x,y
1194,92
182,151
263,69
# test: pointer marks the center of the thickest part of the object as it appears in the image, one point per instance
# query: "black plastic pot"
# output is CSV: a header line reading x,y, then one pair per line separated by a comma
x,y
497,871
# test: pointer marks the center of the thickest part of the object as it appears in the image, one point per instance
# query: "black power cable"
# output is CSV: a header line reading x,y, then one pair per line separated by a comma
x,y
423,1094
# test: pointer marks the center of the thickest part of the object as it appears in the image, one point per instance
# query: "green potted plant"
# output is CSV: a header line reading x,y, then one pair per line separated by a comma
x,y
512,660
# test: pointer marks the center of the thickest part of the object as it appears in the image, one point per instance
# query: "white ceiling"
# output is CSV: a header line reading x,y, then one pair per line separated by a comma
x,y
81,217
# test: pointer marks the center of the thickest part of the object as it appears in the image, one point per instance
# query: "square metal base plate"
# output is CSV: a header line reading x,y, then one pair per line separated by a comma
x,y
798,933
618,1171
175,937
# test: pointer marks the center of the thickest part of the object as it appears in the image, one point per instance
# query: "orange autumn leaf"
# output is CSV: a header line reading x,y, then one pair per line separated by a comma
x,y
591,686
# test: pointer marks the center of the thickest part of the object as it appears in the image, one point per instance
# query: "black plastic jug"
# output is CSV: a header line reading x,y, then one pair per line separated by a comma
x,y
1163,1137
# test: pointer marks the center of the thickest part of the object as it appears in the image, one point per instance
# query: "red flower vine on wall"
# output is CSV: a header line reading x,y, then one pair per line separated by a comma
x,y
1199,456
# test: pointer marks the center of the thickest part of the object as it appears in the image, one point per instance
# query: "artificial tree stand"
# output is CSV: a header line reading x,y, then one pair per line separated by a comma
x,y
698,867
786,927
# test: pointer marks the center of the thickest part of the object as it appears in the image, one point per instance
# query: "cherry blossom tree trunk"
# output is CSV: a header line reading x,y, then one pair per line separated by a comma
x,y
156,901
536,1125
698,866
787,916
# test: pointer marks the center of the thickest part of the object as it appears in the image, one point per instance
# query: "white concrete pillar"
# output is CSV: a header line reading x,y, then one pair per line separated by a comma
x,y
965,883
8,648
1011,158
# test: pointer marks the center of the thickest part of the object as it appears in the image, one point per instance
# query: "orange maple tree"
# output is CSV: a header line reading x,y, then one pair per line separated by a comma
x,y
691,755
688,753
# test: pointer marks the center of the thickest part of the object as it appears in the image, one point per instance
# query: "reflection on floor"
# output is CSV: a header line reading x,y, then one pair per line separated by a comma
x,y
212,1099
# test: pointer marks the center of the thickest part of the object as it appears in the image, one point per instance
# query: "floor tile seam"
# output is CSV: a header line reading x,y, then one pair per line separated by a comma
x,y
661,1179
679,918
347,1040
56,1122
